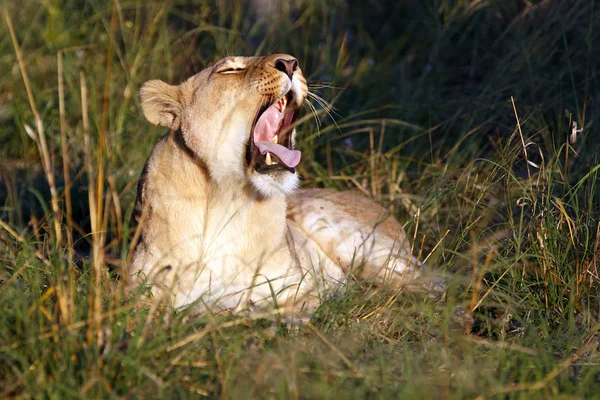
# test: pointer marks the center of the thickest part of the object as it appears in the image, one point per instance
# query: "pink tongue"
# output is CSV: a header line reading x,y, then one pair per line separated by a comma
x,y
290,158
266,128
268,124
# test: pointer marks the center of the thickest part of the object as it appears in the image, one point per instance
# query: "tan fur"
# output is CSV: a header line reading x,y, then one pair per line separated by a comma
x,y
216,233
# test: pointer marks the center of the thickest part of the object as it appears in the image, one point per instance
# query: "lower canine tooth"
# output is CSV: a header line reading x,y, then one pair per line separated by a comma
x,y
268,159
274,139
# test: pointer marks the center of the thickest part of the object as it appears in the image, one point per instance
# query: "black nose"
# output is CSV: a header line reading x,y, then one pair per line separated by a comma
x,y
287,66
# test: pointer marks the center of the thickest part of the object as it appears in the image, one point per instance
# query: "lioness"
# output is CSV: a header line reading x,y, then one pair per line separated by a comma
x,y
222,225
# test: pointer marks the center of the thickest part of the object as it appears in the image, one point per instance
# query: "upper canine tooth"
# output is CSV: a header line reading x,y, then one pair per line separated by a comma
x,y
268,159
274,139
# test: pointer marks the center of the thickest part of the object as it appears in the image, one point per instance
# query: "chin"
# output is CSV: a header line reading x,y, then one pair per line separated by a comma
x,y
279,183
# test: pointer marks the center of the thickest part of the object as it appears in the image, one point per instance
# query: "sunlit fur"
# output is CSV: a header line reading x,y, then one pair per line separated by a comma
x,y
216,233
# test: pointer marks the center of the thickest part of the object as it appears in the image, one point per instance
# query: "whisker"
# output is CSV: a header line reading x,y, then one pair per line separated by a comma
x,y
326,106
323,85
314,112
324,103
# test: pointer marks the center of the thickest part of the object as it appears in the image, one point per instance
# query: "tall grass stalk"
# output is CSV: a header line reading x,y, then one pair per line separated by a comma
x,y
40,139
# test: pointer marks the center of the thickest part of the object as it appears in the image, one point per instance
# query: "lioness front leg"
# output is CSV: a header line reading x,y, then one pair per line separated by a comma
x,y
355,232
370,254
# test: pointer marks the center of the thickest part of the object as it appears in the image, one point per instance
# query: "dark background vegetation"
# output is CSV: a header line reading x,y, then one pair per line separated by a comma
x,y
454,114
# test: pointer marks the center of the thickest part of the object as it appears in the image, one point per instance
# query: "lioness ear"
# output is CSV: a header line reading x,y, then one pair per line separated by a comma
x,y
163,104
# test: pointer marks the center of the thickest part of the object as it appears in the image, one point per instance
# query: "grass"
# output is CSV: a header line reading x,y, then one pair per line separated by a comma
x,y
457,115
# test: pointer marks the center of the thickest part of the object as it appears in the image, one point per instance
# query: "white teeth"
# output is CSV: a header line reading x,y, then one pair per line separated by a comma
x,y
281,104
269,160
274,139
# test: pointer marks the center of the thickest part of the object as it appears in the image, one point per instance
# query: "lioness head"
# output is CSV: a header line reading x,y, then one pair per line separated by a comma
x,y
237,117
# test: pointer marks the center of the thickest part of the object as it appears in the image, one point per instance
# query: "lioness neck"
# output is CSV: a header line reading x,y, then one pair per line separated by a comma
x,y
194,208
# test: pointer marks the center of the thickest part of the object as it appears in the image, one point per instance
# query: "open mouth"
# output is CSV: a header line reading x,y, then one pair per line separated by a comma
x,y
270,145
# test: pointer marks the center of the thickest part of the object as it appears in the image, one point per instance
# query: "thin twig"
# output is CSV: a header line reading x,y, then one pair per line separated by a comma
x,y
68,303
522,141
436,246
117,205
335,349
64,144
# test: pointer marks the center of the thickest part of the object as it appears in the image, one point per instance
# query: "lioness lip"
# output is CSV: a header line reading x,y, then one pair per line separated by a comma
x,y
270,144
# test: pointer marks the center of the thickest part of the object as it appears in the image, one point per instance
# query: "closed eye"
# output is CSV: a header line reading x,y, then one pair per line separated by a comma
x,y
231,70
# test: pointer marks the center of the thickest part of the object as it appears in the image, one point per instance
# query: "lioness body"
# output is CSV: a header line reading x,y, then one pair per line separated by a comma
x,y
221,224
